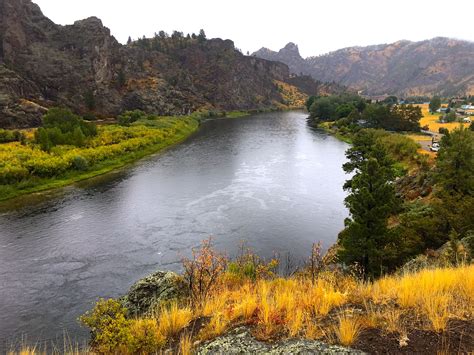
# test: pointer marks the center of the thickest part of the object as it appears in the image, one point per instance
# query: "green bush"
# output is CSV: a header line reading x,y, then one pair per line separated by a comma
x,y
400,147
62,127
247,270
7,136
79,163
67,122
443,130
110,330
129,117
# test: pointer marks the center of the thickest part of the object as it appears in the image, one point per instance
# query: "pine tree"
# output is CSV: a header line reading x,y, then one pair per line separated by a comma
x,y
366,240
435,104
455,180
202,36
455,166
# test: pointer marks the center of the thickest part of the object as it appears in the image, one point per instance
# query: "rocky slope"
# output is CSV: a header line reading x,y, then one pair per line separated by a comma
x,y
437,66
82,66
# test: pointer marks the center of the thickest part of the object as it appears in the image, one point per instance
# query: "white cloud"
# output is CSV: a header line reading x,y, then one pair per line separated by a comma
x,y
316,26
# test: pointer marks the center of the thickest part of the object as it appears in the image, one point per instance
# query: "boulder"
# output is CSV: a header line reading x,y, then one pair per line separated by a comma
x,y
147,294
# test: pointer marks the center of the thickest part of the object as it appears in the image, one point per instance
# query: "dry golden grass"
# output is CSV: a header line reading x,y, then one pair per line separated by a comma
x,y
217,326
431,155
420,137
185,345
437,294
26,350
68,347
432,120
347,329
334,307
173,319
295,306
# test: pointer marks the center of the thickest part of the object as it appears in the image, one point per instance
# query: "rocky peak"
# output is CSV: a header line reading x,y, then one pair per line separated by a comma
x,y
291,48
289,55
92,22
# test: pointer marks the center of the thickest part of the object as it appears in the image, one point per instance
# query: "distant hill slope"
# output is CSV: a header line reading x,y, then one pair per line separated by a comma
x,y
437,66
82,66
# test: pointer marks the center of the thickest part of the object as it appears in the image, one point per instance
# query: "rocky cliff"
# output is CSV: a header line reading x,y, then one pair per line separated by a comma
x,y
438,66
82,66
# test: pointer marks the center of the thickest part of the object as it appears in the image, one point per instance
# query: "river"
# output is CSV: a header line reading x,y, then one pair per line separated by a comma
x,y
268,179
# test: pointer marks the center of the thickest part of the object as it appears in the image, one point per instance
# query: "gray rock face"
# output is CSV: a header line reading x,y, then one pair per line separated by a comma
x,y
240,341
55,65
437,66
148,293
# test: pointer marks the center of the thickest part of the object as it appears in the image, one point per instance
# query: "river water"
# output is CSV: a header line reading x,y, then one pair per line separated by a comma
x,y
268,179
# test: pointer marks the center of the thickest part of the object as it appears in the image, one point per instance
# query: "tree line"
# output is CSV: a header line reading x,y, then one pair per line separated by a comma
x,y
352,110
164,42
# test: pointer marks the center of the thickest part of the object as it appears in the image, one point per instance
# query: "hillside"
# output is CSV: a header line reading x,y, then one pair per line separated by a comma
x,y
84,67
437,66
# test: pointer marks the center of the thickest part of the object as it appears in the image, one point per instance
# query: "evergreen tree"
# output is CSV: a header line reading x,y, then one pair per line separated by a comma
x,y
455,179
435,104
366,240
42,138
455,166
129,41
201,36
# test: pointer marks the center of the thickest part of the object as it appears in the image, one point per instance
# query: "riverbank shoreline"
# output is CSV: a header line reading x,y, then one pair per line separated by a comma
x,y
45,185
110,165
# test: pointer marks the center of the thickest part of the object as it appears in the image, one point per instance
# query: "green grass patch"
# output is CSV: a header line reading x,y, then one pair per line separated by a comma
x,y
236,114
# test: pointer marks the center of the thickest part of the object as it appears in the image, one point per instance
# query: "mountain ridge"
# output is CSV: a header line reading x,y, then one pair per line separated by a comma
x,y
439,65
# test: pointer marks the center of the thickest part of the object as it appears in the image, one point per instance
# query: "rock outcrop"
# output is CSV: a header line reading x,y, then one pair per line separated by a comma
x,y
240,341
84,67
438,66
461,251
152,291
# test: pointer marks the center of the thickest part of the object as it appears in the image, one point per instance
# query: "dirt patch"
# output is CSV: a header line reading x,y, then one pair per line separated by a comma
x,y
458,338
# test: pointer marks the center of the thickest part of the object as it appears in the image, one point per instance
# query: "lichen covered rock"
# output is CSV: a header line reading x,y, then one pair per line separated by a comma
x,y
147,294
240,341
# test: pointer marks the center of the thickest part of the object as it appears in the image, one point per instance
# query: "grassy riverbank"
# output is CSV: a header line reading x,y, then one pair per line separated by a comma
x,y
401,147
26,168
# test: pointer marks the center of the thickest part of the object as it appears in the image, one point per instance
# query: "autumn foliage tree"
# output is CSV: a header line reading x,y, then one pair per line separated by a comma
x,y
202,271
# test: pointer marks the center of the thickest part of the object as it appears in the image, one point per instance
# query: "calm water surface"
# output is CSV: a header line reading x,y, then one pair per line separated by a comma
x,y
267,179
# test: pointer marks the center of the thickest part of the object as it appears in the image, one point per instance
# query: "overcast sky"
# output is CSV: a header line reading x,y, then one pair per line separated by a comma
x,y
317,26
